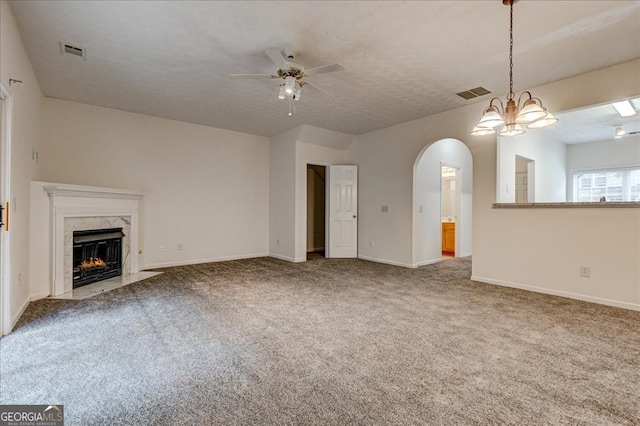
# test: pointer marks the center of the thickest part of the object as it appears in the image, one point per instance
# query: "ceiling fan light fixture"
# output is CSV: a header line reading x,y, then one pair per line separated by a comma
x,y
290,84
291,76
532,112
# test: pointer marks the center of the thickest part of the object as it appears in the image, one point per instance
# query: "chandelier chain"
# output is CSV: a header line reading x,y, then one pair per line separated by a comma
x,y
511,94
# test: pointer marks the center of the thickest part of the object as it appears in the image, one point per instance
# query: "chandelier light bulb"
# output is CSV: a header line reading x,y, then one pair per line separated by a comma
x,y
482,131
511,130
531,112
491,118
548,121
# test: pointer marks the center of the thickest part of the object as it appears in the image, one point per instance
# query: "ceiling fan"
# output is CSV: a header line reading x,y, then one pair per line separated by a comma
x,y
291,74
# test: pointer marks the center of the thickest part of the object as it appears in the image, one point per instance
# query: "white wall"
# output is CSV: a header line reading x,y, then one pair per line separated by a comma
x,y
428,223
549,156
39,242
205,188
26,141
616,153
291,151
282,190
506,250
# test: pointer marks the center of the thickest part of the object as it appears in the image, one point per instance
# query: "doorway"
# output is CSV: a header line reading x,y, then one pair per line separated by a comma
x,y
6,107
449,200
427,201
316,211
524,180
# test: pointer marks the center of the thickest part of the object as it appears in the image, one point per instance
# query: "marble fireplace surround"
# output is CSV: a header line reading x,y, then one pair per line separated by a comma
x,y
75,207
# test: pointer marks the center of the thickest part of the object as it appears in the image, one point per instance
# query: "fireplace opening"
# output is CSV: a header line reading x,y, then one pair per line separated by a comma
x,y
97,255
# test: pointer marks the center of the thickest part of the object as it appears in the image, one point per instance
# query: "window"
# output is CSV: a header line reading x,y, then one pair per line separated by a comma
x,y
613,185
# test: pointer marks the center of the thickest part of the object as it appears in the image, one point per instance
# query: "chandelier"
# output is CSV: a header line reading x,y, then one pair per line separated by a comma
x,y
527,111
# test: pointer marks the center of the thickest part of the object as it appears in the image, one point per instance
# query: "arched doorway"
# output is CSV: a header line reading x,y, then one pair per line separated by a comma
x,y
427,199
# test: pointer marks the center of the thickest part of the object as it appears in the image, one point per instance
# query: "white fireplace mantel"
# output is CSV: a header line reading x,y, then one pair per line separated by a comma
x,y
76,201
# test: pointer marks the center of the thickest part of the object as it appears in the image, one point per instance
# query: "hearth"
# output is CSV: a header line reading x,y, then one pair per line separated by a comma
x,y
97,255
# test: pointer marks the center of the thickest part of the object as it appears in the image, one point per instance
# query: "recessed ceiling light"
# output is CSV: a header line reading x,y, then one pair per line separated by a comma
x,y
624,108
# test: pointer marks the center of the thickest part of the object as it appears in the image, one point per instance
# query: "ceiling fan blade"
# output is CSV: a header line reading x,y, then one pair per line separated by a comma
x,y
322,90
251,76
325,69
277,58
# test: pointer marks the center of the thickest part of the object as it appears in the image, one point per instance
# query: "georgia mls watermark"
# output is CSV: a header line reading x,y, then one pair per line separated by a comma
x,y
31,415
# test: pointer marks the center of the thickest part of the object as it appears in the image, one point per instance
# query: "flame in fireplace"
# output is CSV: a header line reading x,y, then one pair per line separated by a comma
x,y
93,262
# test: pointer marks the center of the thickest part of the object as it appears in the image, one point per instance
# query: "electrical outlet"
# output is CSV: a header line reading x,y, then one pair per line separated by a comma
x,y
180,247
420,209
278,242
384,209
19,279
371,243
585,271
161,248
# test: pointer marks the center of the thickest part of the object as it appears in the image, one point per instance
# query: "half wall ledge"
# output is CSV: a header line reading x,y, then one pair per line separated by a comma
x,y
605,204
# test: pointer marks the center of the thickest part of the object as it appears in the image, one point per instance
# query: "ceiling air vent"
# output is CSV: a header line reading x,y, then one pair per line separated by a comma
x,y
66,48
473,93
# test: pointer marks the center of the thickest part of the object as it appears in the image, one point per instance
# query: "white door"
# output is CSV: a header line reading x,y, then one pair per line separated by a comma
x,y
5,174
343,211
522,187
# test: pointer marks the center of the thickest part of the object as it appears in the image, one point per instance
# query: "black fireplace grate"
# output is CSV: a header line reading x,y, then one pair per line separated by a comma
x,y
97,255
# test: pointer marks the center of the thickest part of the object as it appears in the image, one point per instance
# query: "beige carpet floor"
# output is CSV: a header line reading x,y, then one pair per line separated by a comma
x,y
327,342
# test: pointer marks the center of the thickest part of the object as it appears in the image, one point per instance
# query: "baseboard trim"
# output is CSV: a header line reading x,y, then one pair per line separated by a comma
x,y
198,261
39,296
388,262
16,317
569,295
285,258
429,262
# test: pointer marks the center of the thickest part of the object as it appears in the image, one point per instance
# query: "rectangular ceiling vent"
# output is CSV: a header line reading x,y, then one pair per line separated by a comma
x,y
70,49
473,93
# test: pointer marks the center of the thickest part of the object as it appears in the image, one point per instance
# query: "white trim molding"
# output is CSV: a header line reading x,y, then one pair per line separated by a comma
x,y
74,201
569,295
6,322
388,262
200,261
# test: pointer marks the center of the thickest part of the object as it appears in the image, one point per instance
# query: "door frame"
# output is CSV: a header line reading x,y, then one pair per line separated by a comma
x,y
5,195
531,178
457,180
327,170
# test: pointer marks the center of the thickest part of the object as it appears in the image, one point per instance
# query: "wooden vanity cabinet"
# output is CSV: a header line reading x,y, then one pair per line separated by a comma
x,y
449,238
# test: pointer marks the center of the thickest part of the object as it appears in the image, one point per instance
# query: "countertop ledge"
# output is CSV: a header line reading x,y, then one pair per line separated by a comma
x,y
606,204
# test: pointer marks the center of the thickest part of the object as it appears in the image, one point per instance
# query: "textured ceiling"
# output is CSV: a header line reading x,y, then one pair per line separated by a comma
x,y
404,60
595,124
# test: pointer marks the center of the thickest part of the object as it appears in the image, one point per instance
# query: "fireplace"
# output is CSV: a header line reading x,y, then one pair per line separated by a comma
x,y
97,255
